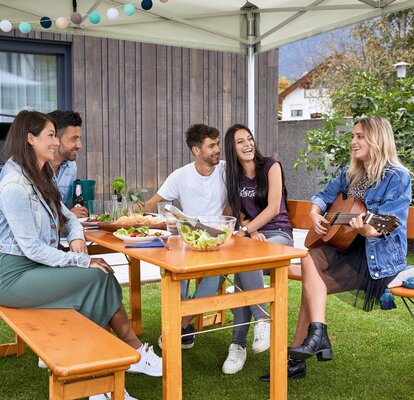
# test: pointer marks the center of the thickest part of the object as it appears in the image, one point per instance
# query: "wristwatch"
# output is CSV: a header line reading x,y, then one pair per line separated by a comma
x,y
245,230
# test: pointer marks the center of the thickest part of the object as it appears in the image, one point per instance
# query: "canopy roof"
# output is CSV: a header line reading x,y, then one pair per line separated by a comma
x,y
207,24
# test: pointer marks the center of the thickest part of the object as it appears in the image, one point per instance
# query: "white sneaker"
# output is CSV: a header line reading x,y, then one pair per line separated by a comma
x,y
261,337
41,364
235,360
107,396
149,364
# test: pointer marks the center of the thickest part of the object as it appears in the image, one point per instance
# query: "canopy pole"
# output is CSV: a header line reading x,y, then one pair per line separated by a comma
x,y
251,47
250,89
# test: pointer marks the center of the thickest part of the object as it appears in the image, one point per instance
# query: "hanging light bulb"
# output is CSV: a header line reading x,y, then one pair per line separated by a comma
x,y
146,5
94,18
62,23
45,22
76,18
25,27
112,13
129,9
6,25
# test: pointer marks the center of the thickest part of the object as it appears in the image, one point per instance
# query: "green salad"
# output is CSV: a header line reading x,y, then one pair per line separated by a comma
x,y
201,240
142,231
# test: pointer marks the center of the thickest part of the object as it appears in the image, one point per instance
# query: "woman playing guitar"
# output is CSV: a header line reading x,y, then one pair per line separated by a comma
x,y
376,178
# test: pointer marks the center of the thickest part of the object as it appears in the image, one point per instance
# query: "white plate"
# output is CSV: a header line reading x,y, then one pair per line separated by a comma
x,y
129,239
84,222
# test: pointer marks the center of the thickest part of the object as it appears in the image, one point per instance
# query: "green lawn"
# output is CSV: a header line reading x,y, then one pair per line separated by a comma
x,y
373,358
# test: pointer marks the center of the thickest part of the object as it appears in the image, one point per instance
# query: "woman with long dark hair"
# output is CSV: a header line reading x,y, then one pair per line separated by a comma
x,y
257,198
34,273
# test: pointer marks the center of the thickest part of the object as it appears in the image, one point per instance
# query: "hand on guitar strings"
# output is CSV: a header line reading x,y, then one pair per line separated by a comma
x,y
359,226
317,221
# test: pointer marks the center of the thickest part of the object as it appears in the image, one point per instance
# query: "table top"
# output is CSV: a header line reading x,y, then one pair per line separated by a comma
x,y
236,252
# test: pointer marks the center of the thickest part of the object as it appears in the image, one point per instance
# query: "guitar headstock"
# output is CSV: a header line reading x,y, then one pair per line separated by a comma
x,y
382,222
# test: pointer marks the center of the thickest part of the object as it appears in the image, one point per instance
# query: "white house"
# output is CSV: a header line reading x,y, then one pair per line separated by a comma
x,y
302,100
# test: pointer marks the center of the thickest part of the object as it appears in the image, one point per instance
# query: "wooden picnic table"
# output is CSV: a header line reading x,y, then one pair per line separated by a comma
x,y
181,263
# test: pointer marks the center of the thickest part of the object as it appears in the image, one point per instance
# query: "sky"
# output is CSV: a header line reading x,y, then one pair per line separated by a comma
x,y
296,58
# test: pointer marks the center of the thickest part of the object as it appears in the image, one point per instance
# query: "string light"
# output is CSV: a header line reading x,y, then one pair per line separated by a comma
x,y
76,18
6,25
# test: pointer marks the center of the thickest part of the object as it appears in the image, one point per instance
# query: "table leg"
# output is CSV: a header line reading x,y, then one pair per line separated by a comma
x,y
135,295
279,335
171,338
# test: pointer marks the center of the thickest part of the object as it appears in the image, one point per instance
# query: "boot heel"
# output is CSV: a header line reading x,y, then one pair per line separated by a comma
x,y
324,355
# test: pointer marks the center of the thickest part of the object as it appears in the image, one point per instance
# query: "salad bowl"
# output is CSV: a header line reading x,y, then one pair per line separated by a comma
x,y
201,240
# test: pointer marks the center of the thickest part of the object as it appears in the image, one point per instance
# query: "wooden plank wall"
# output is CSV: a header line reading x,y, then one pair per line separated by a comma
x,y
138,99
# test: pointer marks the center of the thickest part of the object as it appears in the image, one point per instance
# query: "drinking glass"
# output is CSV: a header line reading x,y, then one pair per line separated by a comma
x,y
95,207
171,223
161,207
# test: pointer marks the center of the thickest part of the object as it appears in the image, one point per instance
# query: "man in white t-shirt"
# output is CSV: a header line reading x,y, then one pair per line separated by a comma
x,y
201,190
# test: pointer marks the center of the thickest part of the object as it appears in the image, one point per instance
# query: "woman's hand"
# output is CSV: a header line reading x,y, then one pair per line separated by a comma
x,y
78,246
358,225
101,264
317,221
258,236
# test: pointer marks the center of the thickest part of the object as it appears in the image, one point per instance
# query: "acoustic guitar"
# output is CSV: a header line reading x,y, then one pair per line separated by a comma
x,y
340,234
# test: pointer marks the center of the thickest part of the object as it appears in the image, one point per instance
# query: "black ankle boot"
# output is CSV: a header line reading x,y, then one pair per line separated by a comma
x,y
316,343
296,370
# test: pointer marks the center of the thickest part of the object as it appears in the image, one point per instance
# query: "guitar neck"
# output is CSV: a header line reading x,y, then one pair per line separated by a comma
x,y
343,219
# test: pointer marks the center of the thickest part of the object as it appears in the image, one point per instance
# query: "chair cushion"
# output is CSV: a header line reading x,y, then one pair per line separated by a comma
x,y
402,276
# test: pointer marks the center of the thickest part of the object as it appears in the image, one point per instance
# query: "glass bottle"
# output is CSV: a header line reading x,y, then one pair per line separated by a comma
x,y
78,198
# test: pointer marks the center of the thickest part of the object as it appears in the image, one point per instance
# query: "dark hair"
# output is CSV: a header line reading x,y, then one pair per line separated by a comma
x,y
195,134
18,147
234,173
64,119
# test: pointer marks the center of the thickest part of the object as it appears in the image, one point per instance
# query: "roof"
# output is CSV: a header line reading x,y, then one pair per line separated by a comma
x,y
213,24
307,79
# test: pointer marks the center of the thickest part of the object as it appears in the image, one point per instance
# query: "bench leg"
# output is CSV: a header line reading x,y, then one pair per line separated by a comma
x,y
17,348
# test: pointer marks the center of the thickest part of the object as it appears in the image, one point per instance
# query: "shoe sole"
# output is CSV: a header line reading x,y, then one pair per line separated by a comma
x,y
322,355
261,349
231,372
183,346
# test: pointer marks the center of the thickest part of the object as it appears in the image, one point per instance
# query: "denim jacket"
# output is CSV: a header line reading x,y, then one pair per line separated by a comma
x,y
386,255
28,226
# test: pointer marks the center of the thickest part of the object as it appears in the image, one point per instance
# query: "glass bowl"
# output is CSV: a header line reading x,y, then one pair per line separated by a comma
x,y
201,238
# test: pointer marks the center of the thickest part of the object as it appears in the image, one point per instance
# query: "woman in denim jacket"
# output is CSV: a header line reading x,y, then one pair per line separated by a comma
x,y
376,177
34,273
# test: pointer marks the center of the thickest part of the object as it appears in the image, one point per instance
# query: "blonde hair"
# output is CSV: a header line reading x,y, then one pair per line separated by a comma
x,y
382,150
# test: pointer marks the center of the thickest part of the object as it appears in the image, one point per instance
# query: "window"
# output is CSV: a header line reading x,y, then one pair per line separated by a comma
x,y
296,110
296,113
34,75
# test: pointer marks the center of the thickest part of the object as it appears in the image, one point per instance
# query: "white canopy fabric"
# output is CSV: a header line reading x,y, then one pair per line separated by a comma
x,y
224,25
207,24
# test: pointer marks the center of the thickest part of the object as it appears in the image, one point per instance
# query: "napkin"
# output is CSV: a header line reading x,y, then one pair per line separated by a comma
x,y
145,244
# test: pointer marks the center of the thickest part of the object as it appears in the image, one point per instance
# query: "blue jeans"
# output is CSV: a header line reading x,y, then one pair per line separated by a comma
x,y
254,280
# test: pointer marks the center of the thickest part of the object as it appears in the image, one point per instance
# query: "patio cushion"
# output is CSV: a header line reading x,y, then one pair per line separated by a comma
x,y
402,276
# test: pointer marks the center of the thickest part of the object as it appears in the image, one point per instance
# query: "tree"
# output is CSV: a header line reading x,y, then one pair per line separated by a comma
x,y
283,84
367,94
372,46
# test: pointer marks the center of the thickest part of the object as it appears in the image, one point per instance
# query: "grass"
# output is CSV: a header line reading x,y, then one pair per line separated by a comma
x,y
372,359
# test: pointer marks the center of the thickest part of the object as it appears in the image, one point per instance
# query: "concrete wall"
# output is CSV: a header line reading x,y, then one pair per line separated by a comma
x,y
291,134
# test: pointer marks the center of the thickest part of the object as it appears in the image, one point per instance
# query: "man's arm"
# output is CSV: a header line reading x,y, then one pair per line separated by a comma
x,y
151,204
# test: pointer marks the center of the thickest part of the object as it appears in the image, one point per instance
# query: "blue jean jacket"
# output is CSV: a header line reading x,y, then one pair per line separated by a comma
x,y
386,255
28,226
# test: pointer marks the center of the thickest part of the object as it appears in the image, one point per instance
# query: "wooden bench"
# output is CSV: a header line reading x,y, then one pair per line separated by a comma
x,y
83,358
299,216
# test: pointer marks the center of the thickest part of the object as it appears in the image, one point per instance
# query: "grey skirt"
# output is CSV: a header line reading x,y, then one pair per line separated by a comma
x,y
27,284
